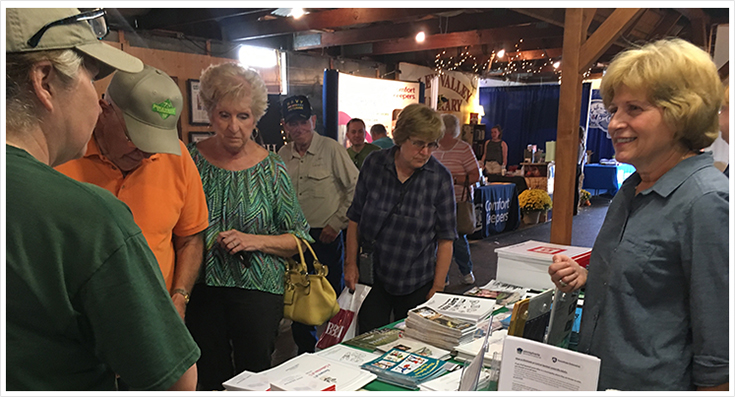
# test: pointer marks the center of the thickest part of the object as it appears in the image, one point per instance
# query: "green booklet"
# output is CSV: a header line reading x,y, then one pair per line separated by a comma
x,y
372,339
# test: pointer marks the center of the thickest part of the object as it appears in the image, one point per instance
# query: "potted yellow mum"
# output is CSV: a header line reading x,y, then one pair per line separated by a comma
x,y
532,202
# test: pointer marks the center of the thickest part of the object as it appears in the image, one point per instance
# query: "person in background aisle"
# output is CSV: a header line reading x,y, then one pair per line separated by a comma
x,y
135,153
237,303
725,120
359,149
495,155
657,282
581,161
404,204
85,298
460,160
324,178
380,136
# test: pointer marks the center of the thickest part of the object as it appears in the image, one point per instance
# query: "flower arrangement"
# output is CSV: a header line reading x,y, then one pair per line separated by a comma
x,y
584,198
534,200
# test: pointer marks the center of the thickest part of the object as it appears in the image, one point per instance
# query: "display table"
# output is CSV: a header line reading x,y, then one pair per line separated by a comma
x,y
518,180
496,206
599,177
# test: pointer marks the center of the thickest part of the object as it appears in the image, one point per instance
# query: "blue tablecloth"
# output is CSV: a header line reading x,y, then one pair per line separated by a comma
x,y
599,177
496,209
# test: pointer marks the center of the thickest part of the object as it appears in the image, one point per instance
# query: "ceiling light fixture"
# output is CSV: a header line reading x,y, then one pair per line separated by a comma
x,y
297,13
501,53
420,37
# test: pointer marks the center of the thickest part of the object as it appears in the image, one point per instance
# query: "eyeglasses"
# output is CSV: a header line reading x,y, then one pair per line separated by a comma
x,y
420,145
96,19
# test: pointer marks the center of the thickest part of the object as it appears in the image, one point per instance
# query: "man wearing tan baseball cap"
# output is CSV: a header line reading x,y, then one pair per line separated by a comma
x,y
135,153
85,299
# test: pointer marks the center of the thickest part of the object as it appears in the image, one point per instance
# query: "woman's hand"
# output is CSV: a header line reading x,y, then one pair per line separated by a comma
x,y
567,274
234,241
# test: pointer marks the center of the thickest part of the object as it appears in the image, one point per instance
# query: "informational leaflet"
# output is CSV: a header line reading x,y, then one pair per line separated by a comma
x,y
527,365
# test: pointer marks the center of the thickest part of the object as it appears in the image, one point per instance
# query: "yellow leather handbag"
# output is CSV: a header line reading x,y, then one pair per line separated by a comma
x,y
308,298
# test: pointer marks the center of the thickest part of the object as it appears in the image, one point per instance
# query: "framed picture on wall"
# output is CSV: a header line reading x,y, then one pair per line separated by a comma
x,y
196,136
197,113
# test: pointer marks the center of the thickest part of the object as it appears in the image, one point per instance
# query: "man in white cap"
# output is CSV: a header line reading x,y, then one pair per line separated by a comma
x,y
136,154
84,299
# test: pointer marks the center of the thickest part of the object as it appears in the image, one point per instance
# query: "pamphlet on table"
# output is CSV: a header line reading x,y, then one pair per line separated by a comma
x,y
406,369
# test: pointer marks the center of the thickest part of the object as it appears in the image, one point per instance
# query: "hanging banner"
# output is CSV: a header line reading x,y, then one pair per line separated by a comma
x,y
375,101
457,92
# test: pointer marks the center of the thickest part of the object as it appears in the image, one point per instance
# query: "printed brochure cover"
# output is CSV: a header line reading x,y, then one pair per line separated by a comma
x,y
405,369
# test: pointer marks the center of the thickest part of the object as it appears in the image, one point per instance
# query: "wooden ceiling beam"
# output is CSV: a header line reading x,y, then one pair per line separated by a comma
x,y
467,21
665,25
324,20
553,16
610,30
500,36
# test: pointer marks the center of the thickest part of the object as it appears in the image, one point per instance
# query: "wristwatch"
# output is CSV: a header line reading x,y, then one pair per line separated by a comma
x,y
183,293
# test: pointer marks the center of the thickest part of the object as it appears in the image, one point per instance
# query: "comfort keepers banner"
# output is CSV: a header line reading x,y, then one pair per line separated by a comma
x,y
375,101
458,92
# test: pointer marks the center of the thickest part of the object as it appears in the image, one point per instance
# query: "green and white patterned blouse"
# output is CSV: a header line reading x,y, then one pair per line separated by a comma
x,y
258,200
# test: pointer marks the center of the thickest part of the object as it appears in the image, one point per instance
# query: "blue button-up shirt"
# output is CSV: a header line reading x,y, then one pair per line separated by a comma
x,y
656,303
406,247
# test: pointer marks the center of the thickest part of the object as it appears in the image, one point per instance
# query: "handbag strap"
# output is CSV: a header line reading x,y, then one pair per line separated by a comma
x,y
318,266
466,189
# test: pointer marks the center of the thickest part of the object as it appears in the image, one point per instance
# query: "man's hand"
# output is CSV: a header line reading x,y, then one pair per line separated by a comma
x,y
434,289
566,273
179,304
328,235
352,275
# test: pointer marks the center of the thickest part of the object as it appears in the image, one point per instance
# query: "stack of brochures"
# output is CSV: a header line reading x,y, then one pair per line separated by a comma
x,y
372,339
468,351
527,263
459,306
412,345
505,294
428,325
405,369
293,374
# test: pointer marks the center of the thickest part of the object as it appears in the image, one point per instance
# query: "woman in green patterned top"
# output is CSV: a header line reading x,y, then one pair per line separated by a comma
x,y
237,303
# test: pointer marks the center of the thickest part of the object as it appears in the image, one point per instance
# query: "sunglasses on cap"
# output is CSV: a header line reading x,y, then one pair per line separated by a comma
x,y
96,18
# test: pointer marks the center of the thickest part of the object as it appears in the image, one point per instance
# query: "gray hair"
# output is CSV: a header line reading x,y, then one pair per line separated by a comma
x,y
232,81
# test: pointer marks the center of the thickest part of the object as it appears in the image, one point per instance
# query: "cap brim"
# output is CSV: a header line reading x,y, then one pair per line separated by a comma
x,y
297,116
111,58
152,139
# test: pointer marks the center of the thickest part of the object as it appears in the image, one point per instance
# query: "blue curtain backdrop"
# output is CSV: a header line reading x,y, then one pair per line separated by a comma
x,y
528,115
597,139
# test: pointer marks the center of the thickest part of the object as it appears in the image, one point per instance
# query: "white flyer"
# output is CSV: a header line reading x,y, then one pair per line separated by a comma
x,y
528,365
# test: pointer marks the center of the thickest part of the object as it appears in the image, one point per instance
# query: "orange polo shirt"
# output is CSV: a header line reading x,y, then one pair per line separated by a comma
x,y
164,194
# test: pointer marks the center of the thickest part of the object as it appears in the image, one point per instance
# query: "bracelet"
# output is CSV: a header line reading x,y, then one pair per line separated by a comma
x,y
183,293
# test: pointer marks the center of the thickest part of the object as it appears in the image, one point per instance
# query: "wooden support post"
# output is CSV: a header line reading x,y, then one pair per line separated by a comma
x,y
567,140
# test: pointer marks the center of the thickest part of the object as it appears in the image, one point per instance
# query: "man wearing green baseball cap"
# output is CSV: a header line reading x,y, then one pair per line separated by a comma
x,y
85,299
135,153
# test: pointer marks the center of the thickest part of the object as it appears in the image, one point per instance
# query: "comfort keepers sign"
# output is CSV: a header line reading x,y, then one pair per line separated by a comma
x,y
375,101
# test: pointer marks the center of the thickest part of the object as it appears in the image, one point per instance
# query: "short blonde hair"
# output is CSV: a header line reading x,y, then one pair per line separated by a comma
x,y
231,81
22,107
420,121
676,76
451,123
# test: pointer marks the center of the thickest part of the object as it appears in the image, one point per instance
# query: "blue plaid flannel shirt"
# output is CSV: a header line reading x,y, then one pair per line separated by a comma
x,y
405,250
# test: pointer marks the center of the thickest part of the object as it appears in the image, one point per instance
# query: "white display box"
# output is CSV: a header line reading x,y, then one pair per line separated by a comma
x,y
526,264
